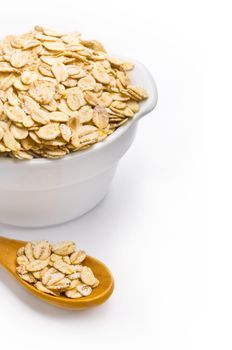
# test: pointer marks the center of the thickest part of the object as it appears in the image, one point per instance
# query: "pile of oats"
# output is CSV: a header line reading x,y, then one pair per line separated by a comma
x,y
56,269
60,93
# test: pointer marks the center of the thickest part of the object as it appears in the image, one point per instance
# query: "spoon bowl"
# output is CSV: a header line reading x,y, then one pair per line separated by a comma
x,y
8,250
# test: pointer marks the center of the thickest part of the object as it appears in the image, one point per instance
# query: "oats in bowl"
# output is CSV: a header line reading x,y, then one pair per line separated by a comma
x,y
60,93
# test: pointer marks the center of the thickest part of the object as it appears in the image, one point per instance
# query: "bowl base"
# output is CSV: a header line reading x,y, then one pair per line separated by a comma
x,y
51,207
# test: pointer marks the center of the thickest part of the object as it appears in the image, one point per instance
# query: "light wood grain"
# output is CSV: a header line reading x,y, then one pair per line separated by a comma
x,y
8,249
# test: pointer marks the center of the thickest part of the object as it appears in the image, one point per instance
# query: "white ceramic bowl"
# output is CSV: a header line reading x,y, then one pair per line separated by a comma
x,y
43,192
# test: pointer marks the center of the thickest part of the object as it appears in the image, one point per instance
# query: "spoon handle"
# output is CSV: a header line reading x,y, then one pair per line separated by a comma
x,y
8,247
5,250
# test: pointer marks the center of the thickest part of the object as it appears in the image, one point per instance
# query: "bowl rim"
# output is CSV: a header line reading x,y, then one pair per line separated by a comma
x,y
146,106
78,154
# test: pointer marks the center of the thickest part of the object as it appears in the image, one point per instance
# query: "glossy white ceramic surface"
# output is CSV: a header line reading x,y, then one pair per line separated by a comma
x,y
45,192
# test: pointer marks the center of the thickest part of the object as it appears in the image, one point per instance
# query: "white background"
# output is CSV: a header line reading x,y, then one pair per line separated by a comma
x,y
165,228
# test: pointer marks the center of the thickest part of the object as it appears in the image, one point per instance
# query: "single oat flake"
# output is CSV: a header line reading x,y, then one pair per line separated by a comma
x,y
55,85
56,269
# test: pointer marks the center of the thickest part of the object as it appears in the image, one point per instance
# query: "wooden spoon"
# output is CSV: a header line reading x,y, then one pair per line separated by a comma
x,y
8,249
